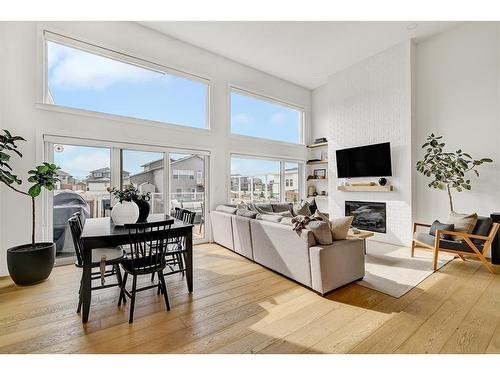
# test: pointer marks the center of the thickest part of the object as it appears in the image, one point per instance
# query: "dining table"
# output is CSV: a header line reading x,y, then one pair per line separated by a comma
x,y
102,232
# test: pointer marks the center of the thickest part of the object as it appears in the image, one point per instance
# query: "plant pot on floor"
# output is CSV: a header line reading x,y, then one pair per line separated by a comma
x,y
144,209
125,213
30,264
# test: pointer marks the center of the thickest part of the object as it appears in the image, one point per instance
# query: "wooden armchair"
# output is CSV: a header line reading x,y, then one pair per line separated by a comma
x,y
473,244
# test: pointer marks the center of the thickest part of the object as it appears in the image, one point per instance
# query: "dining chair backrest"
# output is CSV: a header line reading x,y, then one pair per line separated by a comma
x,y
188,216
178,213
148,244
76,233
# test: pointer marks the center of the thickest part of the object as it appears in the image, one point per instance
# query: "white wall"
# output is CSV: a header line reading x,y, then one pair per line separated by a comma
x,y
22,87
457,75
370,102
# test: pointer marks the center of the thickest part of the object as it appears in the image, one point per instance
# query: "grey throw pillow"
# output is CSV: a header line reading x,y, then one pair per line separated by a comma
x,y
438,225
340,226
321,232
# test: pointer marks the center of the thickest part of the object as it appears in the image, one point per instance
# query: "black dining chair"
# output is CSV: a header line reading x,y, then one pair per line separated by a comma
x,y
101,258
148,247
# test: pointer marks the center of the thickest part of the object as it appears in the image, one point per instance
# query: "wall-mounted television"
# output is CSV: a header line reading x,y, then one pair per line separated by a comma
x,y
365,161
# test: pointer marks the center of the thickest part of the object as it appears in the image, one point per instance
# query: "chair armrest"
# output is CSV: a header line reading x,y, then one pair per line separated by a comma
x,y
461,234
415,225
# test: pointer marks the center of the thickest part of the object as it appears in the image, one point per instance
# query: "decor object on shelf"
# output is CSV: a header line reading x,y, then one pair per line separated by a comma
x,y
382,181
311,190
33,262
132,207
320,140
319,173
324,156
447,169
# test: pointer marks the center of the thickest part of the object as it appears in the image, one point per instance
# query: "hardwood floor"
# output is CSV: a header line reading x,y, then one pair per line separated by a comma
x,y
241,307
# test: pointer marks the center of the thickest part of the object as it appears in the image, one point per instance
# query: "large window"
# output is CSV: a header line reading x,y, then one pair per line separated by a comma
x,y
102,82
259,117
259,180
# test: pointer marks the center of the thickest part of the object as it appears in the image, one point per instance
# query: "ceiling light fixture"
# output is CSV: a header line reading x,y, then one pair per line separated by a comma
x,y
412,26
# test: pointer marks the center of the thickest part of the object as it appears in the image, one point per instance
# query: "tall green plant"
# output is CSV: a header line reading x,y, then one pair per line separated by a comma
x,y
448,170
43,176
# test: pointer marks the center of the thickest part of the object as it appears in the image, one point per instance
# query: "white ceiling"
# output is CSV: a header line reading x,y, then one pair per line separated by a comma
x,y
305,53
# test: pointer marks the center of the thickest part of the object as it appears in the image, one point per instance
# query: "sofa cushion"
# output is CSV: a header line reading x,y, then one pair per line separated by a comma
x,y
321,232
340,226
438,225
226,209
482,228
428,239
269,217
246,213
286,221
261,208
464,223
282,207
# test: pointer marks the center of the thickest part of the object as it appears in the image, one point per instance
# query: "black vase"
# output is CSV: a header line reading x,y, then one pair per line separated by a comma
x,y
144,209
382,181
29,264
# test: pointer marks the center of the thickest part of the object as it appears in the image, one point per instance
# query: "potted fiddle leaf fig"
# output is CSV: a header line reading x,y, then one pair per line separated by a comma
x,y
33,262
448,170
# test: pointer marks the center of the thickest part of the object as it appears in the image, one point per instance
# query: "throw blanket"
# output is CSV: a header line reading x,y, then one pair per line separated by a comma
x,y
300,222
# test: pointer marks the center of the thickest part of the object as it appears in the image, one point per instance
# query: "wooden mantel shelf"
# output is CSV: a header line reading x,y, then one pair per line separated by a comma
x,y
366,188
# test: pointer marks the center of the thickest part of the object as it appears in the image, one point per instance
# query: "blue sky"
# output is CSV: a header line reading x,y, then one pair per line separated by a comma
x,y
258,118
83,80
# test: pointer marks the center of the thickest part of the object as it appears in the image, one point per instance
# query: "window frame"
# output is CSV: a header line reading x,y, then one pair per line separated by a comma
x,y
266,98
301,185
48,35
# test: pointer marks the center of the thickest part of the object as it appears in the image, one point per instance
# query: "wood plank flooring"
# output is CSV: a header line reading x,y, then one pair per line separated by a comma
x,y
241,307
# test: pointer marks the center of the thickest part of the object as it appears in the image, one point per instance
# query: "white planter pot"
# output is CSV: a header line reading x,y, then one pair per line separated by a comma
x,y
125,213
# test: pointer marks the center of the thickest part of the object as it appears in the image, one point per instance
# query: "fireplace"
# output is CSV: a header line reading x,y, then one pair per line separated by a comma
x,y
369,216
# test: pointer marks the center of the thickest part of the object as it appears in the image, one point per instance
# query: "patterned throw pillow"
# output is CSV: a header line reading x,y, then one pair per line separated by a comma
x,y
321,232
301,208
320,216
340,226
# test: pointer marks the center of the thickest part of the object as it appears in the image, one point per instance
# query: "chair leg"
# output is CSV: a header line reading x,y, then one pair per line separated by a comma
x,y
164,288
461,257
153,277
80,299
120,281
122,291
132,300
435,259
485,262
181,262
413,248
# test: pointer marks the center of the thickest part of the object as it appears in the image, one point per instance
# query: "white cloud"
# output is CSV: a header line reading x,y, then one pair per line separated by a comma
x,y
72,68
242,119
278,118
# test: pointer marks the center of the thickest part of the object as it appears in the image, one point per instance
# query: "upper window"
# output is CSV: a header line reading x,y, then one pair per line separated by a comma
x,y
256,116
81,79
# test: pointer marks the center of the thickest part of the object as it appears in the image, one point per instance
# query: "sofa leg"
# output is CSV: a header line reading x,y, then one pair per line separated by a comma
x,y
412,249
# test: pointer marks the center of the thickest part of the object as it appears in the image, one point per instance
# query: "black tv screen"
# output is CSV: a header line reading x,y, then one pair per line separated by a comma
x,y
365,161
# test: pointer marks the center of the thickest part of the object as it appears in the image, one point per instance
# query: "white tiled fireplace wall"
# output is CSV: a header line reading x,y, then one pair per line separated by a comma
x,y
370,102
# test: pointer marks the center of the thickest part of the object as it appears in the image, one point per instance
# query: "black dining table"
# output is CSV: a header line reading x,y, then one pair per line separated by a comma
x,y
101,232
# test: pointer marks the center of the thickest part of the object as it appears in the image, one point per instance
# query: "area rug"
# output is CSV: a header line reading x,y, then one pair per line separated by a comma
x,y
391,270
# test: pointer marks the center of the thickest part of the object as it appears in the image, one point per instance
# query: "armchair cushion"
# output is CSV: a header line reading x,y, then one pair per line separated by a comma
x,y
438,225
429,239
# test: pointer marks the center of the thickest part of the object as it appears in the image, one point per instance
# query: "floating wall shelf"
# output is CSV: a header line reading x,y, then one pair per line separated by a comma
x,y
317,145
365,188
317,162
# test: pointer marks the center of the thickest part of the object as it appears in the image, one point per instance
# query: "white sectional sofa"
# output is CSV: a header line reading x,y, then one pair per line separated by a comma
x,y
277,246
